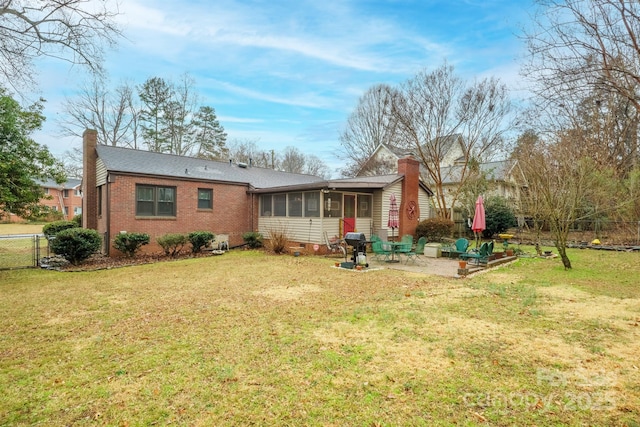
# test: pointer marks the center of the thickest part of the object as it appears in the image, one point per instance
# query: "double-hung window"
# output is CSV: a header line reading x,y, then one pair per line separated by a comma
x,y
205,198
154,200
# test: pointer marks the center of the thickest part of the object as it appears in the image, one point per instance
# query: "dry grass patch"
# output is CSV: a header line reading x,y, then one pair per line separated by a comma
x,y
248,338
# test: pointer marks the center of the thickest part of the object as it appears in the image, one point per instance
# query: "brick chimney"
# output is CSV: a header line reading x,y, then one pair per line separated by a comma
x,y
409,206
89,190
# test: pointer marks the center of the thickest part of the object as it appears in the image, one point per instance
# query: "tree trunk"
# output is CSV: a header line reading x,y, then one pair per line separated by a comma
x,y
562,250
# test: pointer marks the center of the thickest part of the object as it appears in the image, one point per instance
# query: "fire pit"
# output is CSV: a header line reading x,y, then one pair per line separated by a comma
x,y
359,244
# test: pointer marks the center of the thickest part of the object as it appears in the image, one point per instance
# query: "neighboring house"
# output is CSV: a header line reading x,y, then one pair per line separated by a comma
x,y
129,190
385,157
65,198
505,175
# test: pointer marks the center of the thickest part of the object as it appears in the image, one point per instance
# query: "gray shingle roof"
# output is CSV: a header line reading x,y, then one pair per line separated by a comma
x,y
70,184
126,160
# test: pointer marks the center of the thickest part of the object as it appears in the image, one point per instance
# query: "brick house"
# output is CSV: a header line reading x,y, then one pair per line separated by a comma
x,y
128,190
65,198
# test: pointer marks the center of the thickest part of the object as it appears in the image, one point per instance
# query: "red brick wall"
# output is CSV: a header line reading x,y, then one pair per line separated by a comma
x,y
89,199
52,200
70,202
410,168
231,212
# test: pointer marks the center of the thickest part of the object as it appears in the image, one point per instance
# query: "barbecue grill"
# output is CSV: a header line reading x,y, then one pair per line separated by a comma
x,y
359,244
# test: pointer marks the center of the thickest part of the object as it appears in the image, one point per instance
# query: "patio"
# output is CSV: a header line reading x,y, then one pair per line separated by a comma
x,y
440,266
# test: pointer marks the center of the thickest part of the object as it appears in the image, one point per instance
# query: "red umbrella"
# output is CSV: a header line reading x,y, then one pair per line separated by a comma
x,y
394,213
394,221
479,223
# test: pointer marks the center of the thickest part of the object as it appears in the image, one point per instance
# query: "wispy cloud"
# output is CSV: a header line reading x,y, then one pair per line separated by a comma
x,y
290,71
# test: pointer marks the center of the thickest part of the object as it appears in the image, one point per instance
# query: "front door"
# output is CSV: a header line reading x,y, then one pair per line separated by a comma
x,y
349,213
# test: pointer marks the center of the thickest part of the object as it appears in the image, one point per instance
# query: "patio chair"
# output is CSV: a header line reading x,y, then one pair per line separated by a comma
x,y
404,246
417,251
481,256
335,245
459,247
379,250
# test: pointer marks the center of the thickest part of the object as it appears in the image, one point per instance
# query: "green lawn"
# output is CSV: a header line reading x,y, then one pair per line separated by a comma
x,y
253,339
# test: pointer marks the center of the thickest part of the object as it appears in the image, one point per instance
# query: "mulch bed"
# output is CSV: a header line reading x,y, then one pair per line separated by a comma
x,y
101,262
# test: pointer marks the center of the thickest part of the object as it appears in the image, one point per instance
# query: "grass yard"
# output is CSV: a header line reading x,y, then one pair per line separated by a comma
x,y
252,339
21,228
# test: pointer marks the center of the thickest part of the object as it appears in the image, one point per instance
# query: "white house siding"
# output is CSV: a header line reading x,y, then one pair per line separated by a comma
x,y
425,204
364,225
308,230
393,189
101,173
377,212
296,229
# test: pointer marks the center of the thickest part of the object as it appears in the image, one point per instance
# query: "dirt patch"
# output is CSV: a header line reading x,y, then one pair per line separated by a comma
x,y
288,293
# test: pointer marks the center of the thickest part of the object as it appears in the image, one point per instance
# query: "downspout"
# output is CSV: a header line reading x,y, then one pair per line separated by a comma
x,y
107,233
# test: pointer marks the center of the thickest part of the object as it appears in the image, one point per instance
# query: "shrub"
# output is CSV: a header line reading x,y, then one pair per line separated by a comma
x,y
434,229
46,214
253,239
498,216
199,240
278,241
76,244
78,220
52,229
130,243
172,243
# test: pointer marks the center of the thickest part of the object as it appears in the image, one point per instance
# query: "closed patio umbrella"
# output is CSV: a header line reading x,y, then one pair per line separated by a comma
x,y
479,223
394,221
394,214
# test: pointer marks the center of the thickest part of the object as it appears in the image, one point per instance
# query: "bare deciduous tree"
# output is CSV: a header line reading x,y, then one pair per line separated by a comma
x,y
586,45
558,184
292,160
584,64
108,112
434,110
315,166
72,30
368,126
247,151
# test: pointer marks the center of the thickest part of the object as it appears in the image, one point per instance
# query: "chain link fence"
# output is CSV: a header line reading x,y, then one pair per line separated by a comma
x,y
22,250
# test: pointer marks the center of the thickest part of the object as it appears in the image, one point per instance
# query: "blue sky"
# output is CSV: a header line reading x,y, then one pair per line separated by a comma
x,y
289,72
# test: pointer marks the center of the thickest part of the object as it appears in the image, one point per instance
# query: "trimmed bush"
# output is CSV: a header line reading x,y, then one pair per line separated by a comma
x,y
434,229
253,239
78,220
172,243
130,243
498,216
52,229
199,240
76,244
